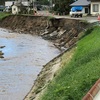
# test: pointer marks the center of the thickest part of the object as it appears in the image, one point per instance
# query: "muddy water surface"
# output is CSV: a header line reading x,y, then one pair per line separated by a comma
x,y
24,56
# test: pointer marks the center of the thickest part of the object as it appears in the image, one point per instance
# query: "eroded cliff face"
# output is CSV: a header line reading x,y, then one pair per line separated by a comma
x,y
63,32
24,24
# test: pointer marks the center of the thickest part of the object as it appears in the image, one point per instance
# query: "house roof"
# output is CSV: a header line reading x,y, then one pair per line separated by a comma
x,y
81,3
18,4
24,3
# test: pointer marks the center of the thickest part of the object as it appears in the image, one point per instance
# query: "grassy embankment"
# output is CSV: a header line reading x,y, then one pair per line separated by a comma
x,y
2,15
77,77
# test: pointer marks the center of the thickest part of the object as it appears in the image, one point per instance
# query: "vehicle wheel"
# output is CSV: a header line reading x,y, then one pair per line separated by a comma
x,y
74,16
77,15
81,15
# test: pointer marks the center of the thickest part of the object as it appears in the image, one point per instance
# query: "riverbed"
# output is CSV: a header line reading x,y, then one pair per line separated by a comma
x,y
24,57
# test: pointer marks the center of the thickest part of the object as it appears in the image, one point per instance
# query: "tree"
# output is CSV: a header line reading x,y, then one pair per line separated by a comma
x,y
43,2
62,7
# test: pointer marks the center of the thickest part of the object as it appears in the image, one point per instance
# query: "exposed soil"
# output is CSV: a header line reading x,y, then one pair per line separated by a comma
x,y
63,32
49,71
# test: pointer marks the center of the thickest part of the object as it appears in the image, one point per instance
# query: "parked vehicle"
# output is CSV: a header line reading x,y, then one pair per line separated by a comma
x,y
7,9
76,11
2,8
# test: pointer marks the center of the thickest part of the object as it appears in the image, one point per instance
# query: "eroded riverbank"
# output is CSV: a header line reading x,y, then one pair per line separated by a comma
x,y
48,73
24,56
62,32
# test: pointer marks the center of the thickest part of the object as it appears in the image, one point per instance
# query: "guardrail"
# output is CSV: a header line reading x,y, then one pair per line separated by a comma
x,y
93,91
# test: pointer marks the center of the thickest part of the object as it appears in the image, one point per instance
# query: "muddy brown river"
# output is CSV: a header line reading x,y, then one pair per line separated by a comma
x,y
24,56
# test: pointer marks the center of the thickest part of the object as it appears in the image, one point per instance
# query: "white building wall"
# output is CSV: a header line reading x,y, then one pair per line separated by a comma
x,y
25,3
95,13
15,10
8,3
85,14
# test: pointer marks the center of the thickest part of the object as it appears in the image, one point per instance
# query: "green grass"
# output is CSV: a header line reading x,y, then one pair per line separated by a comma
x,y
3,14
77,77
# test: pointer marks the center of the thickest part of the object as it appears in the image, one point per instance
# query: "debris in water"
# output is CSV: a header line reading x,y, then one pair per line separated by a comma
x,y
2,47
1,54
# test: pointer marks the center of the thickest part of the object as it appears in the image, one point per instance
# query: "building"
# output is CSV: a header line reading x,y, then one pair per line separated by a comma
x,y
2,8
16,8
85,4
9,3
23,6
95,7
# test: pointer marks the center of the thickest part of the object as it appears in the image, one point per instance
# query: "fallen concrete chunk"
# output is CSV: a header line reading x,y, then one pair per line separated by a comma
x,y
61,32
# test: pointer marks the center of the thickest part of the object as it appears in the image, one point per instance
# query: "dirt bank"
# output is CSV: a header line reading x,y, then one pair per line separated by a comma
x,y
49,71
63,32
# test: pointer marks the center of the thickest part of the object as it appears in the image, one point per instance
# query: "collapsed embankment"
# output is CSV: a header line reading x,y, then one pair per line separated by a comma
x,y
63,32
48,73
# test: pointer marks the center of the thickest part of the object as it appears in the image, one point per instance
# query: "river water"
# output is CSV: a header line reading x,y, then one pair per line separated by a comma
x,y
24,56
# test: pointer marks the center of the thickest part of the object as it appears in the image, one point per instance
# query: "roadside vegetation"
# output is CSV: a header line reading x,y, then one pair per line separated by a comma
x,y
77,77
3,14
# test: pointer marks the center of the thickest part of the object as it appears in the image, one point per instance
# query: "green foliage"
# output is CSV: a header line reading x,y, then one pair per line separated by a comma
x,y
77,77
62,6
84,22
3,14
43,2
50,17
88,31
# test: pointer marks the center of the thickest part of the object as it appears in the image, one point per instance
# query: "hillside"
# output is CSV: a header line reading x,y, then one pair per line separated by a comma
x,y
77,77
